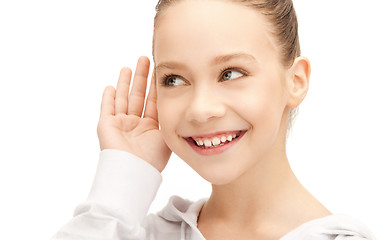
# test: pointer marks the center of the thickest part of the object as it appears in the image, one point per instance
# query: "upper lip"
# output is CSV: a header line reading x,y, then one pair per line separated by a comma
x,y
208,135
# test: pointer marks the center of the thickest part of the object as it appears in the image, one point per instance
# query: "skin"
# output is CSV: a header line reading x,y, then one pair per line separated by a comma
x,y
254,191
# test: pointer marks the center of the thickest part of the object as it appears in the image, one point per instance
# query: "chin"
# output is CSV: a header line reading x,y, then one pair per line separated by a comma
x,y
220,179
217,175
218,169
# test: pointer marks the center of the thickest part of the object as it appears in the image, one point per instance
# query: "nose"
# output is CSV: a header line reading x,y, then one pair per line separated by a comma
x,y
204,106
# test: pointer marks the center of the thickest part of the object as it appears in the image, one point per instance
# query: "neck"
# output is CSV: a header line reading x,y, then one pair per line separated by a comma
x,y
257,193
268,198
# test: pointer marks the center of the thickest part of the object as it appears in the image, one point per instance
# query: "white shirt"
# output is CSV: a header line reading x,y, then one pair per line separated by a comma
x,y
123,190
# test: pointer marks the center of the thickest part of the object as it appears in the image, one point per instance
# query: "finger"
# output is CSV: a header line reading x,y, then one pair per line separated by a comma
x,y
123,86
151,102
108,102
136,98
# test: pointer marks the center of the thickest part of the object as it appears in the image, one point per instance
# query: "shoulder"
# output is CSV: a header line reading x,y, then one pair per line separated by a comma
x,y
337,226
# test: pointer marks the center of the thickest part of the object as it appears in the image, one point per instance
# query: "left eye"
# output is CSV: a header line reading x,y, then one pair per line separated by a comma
x,y
231,74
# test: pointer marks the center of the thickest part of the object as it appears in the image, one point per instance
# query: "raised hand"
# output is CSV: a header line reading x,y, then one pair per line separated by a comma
x,y
122,126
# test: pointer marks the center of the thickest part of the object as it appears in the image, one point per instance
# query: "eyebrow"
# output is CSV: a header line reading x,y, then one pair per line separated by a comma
x,y
228,57
216,61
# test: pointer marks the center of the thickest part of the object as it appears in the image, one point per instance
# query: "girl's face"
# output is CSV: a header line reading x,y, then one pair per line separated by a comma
x,y
219,82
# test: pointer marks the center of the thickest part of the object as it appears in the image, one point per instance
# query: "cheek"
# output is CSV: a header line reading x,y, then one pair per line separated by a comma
x,y
265,121
164,111
263,100
263,107
169,120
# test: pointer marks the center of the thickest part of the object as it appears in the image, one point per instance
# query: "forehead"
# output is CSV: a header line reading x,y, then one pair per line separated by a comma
x,y
202,29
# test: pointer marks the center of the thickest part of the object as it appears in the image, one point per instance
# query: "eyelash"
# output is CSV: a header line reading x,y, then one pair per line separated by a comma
x,y
222,71
165,79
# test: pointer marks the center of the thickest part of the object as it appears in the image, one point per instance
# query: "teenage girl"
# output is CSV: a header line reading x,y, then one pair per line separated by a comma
x,y
226,82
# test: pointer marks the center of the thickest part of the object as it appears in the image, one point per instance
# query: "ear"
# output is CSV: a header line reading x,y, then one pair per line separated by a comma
x,y
298,81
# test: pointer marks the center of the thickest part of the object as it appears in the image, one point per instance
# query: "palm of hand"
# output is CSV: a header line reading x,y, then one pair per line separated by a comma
x,y
121,125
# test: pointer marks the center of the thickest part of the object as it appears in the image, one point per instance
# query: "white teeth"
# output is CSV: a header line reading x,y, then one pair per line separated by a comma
x,y
215,141
207,143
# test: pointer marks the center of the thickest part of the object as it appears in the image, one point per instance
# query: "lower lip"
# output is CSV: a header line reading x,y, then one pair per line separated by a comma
x,y
214,150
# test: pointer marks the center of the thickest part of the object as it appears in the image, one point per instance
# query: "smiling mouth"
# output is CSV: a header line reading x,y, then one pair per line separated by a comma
x,y
215,141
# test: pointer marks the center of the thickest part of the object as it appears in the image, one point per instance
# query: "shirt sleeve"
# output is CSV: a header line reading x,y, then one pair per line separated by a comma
x,y
123,190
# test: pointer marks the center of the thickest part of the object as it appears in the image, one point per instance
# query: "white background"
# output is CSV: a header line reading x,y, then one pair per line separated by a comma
x,y
56,57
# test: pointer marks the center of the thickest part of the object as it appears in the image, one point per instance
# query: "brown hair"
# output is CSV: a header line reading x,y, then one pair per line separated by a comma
x,y
281,14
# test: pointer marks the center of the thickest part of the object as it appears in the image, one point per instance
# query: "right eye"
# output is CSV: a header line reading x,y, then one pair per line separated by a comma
x,y
173,80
